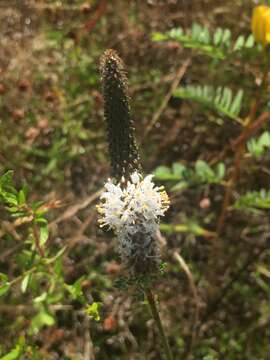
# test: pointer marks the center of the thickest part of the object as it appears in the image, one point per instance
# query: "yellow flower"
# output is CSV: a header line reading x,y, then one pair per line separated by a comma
x,y
260,24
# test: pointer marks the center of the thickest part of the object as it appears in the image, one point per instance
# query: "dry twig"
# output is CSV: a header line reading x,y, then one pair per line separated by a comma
x,y
179,75
73,209
193,288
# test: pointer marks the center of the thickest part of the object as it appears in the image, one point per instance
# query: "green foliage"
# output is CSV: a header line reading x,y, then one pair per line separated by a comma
x,y
75,290
4,284
25,282
41,275
93,309
190,227
222,100
184,177
8,193
177,172
16,352
217,45
206,174
43,318
253,201
210,357
17,205
258,147
34,260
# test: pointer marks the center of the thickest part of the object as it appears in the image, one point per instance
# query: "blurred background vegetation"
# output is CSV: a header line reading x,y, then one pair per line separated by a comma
x,y
56,266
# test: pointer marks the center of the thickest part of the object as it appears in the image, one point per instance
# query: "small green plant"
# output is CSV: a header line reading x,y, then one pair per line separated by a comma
x,y
227,104
36,263
258,147
181,176
232,95
218,45
220,100
253,201
33,214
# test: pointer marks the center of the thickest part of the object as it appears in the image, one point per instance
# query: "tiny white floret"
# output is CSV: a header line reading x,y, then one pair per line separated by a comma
x,y
133,207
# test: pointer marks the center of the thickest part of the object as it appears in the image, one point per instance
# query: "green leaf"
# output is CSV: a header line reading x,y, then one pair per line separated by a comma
x,y
43,318
196,31
265,139
240,42
185,176
258,147
6,179
40,219
250,41
236,105
9,198
75,290
210,357
4,289
16,352
253,201
159,37
60,252
204,172
25,282
21,197
44,234
58,267
218,36
218,45
190,226
170,229
37,204
41,298
208,175
181,185
179,170
93,310
220,171
164,173
4,285
3,277
218,99
226,37
8,193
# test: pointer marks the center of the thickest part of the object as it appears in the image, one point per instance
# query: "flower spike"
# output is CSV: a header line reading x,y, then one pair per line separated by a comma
x,y
122,146
133,212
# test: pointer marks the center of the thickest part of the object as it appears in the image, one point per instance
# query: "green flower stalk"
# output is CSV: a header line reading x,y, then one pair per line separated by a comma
x,y
122,146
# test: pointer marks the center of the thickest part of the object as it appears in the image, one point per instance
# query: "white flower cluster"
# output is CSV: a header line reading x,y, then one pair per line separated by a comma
x,y
139,201
133,210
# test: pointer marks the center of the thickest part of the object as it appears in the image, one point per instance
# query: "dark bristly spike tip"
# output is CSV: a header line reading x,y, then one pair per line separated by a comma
x,y
122,146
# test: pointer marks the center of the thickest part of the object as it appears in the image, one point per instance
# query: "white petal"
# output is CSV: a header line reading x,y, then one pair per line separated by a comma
x,y
135,178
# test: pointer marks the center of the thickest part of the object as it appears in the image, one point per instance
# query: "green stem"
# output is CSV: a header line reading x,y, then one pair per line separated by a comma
x,y
157,319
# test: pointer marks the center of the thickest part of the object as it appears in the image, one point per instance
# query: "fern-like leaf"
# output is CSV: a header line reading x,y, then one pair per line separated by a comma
x,y
217,45
253,201
220,99
257,147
